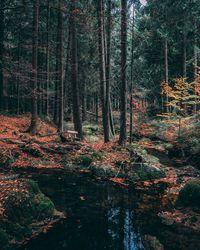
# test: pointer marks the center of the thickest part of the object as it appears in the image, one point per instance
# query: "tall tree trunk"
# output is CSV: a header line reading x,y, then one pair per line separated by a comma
x,y
97,108
74,72
47,58
101,43
131,85
195,66
61,86
166,71
57,79
184,56
34,112
2,3
67,85
83,98
107,101
123,85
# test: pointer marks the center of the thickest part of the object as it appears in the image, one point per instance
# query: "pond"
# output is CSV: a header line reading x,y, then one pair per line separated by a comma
x,y
101,216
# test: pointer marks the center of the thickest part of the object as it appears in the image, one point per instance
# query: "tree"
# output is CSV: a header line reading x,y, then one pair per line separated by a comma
x,y
74,72
107,101
60,55
131,84
123,87
47,56
34,114
2,5
102,63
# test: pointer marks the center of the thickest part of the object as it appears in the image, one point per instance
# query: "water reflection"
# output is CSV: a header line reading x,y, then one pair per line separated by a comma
x,y
102,220
100,216
121,228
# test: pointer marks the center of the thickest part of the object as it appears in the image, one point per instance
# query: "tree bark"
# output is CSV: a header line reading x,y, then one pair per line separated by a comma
x,y
131,85
184,56
123,85
2,3
47,58
195,66
34,112
74,72
166,71
102,57
107,102
57,79
61,86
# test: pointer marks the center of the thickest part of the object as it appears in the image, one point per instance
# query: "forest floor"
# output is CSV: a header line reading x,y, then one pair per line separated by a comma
x,y
19,151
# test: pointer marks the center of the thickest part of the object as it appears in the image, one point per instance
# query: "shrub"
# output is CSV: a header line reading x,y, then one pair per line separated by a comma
x,y
189,196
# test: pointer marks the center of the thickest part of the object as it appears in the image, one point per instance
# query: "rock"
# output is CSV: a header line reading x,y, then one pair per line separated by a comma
x,y
103,171
144,166
84,160
189,195
144,172
188,171
24,207
32,149
152,243
8,156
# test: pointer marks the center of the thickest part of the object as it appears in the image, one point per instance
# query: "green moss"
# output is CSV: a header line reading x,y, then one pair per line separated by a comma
x,y
97,155
142,155
189,196
33,186
144,172
103,171
91,129
32,151
44,207
4,240
22,210
17,231
84,160
25,207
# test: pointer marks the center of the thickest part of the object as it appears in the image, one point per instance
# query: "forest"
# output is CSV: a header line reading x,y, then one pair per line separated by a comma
x,y
99,124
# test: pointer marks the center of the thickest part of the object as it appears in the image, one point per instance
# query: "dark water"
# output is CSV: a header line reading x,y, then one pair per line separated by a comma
x,y
99,216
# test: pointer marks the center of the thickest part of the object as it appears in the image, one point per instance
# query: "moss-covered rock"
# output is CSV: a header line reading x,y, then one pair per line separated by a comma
x,y
91,129
144,166
33,150
25,207
103,171
189,196
143,172
84,160
140,155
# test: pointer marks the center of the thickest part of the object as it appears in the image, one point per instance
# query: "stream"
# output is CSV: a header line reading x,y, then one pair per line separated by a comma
x,y
101,215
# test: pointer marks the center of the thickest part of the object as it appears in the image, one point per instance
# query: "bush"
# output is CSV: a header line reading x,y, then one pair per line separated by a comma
x,y
189,196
